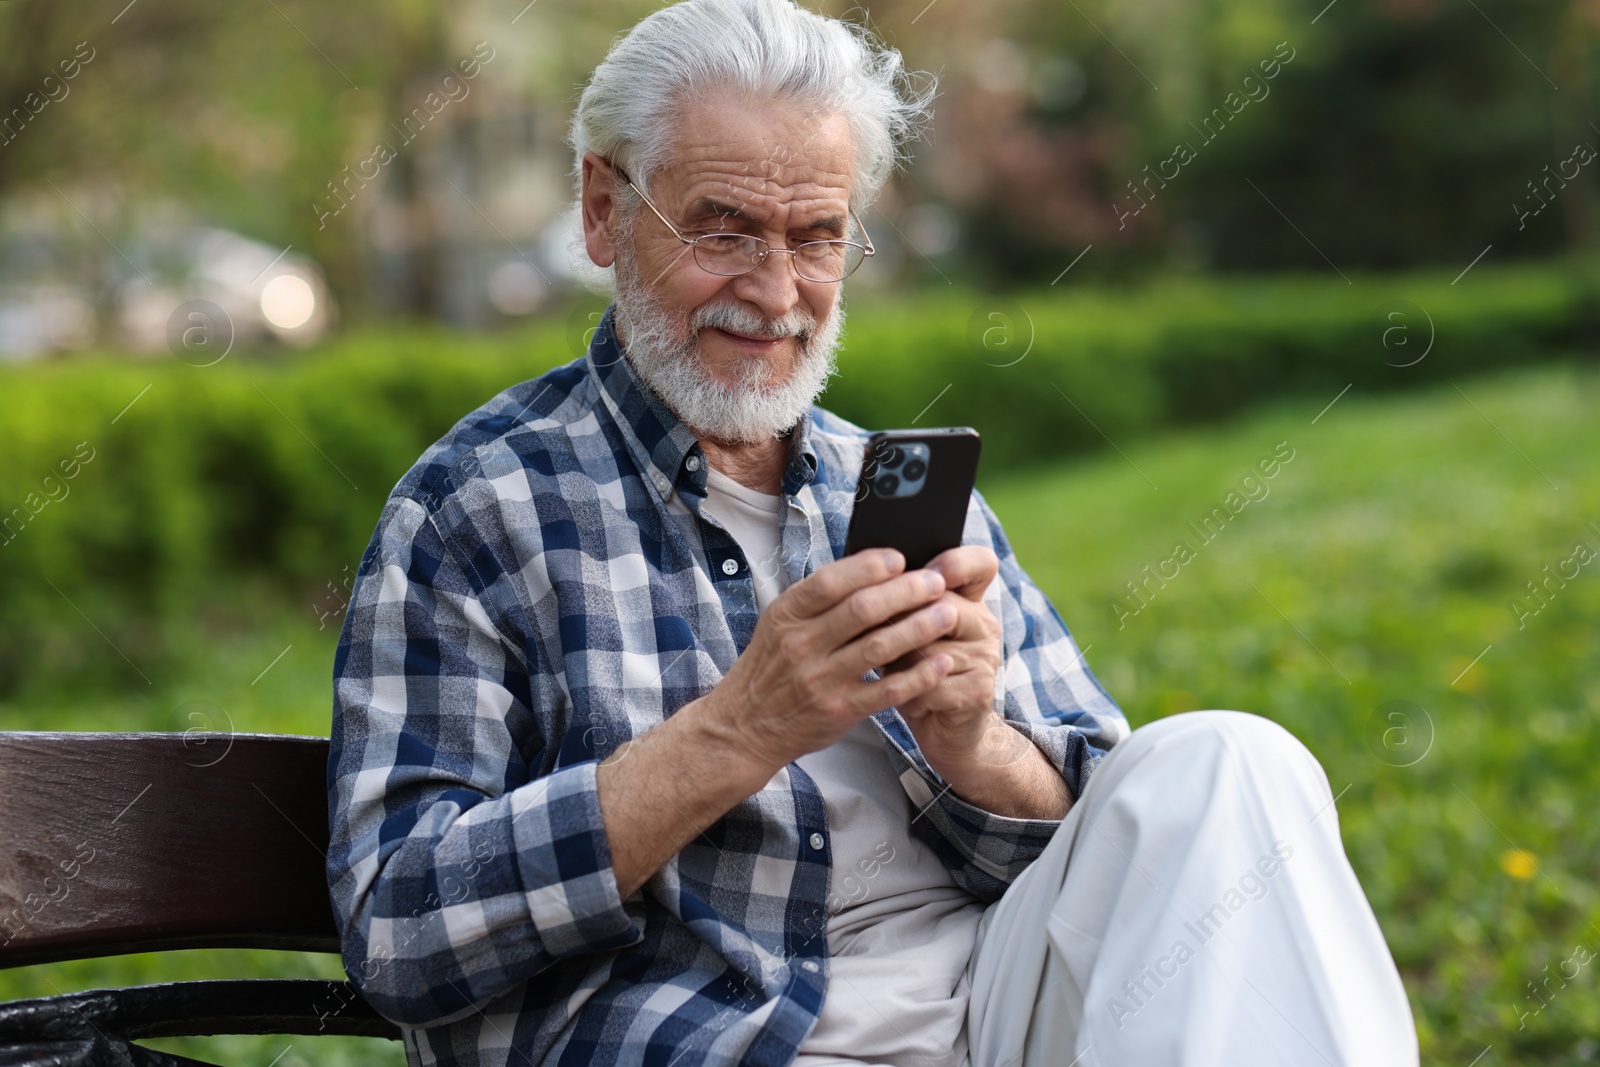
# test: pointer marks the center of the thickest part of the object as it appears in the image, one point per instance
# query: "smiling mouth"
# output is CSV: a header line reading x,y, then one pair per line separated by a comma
x,y
747,339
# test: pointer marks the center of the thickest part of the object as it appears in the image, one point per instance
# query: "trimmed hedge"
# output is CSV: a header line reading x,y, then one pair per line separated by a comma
x,y
1116,365
271,469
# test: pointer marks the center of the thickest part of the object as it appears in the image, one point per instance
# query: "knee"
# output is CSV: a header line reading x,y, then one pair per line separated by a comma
x,y
1204,755
1217,734
1241,725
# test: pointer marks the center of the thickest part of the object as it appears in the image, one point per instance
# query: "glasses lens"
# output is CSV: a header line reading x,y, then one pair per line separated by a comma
x,y
827,261
729,253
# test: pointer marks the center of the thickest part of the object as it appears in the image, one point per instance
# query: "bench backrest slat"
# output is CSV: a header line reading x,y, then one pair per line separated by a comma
x,y
136,842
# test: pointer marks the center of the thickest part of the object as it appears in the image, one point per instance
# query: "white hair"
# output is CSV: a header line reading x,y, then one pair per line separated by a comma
x,y
760,49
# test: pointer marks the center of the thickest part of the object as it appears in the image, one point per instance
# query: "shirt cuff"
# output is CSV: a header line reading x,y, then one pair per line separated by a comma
x,y
564,860
1067,750
997,848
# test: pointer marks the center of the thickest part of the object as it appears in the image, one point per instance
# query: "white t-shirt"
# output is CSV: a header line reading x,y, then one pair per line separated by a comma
x,y
900,930
753,519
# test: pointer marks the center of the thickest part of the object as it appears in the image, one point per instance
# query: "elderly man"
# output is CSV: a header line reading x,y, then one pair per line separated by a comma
x,y
630,766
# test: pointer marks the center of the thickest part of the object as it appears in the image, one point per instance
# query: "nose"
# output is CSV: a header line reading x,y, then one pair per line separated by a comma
x,y
773,286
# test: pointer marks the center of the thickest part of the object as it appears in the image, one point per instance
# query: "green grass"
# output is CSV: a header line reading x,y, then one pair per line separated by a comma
x,y
1377,568
1383,561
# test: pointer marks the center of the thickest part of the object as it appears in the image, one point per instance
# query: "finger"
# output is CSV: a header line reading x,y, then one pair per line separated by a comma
x,y
971,616
956,693
959,659
970,632
873,606
893,640
831,583
967,569
896,689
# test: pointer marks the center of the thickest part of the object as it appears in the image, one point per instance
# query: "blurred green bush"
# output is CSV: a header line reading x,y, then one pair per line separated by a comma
x,y
1113,365
135,494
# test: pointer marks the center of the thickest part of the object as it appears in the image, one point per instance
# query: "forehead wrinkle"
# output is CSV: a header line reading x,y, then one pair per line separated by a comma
x,y
744,188
745,167
801,213
790,166
711,207
707,205
758,201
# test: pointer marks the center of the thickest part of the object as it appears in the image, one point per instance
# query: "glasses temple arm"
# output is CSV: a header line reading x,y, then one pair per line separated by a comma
x,y
864,236
659,215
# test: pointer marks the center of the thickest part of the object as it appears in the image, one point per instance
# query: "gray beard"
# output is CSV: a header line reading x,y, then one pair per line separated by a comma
x,y
662,349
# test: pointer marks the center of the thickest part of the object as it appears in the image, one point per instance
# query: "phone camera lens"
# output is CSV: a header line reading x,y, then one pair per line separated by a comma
x,y
915,469
892,458
887,484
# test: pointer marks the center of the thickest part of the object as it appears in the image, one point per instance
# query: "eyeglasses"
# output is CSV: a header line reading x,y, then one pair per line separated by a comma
x,y
733,254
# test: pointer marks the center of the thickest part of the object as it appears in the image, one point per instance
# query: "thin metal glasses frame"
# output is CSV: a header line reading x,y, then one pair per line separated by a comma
x,y
766,248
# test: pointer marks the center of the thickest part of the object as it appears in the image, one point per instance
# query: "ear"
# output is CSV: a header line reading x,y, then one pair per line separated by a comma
x,y
599,202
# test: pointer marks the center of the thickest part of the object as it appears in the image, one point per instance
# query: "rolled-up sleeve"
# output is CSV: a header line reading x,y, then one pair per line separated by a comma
x,y
1045,690
454,873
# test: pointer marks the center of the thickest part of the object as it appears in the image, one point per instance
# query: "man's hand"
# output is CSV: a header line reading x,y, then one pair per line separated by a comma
x,y
798,685
796,688
961,733
953,720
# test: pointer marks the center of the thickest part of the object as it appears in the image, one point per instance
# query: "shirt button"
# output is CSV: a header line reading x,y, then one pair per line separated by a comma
x,y
810,965
693,463
817,842
730,566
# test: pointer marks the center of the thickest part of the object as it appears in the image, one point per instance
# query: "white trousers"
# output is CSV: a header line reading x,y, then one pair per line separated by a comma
x,y
1195,909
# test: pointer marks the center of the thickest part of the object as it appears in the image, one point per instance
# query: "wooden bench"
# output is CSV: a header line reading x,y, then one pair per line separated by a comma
x,y
137,842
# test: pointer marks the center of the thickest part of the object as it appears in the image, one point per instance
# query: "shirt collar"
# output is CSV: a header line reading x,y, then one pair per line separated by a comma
x,y
660,443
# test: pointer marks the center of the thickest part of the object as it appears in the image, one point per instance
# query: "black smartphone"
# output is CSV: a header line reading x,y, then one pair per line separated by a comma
x,y
913,493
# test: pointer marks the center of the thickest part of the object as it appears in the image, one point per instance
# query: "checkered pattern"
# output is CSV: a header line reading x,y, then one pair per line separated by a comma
x,y
542,586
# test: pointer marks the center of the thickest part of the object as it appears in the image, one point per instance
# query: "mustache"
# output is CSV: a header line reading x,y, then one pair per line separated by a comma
x,y
797,323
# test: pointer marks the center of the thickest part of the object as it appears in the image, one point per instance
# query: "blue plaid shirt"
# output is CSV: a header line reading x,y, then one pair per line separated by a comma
x,y
543,586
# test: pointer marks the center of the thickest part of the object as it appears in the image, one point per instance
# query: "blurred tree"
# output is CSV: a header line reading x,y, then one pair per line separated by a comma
x,y
1404,132
246,115
1401,132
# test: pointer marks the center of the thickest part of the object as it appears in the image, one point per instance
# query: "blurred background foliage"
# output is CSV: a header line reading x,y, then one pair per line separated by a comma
x,y
1393,133
271,470
1378,245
